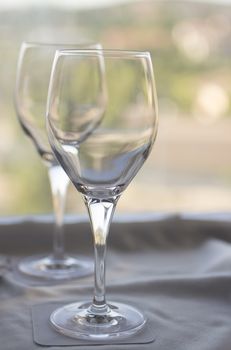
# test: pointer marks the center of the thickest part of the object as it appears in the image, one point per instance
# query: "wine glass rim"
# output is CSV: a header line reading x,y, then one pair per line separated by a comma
x,y
104,52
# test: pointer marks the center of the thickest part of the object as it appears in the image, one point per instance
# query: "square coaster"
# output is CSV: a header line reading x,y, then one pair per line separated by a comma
x,y
45,335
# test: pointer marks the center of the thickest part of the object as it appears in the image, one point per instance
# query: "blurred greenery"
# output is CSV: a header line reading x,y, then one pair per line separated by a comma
x,y
190,47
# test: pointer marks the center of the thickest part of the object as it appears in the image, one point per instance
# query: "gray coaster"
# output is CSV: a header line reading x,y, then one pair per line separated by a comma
x,y
45,335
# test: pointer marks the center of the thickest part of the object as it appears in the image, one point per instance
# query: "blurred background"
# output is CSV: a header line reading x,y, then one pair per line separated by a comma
x,y
190,42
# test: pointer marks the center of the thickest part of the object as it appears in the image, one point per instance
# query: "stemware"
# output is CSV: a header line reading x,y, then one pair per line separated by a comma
x,y
102,123
33,73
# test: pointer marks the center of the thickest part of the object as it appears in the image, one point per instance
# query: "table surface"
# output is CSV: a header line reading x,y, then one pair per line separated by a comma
x,y
177,268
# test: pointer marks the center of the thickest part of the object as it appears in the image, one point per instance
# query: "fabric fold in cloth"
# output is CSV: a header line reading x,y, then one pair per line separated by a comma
x,y
178,268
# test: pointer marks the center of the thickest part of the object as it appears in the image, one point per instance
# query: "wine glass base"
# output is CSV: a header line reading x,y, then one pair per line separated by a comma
x,y
78,321
56,269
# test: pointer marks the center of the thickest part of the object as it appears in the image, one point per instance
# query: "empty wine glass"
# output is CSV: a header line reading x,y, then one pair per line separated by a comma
x,y
33,73
102,123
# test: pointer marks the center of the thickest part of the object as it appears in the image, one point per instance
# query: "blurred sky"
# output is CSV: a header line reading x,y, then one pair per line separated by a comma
x,y
61,3
12,4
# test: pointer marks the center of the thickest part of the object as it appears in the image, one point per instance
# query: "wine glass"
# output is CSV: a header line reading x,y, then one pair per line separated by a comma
x,y
101,136
33,73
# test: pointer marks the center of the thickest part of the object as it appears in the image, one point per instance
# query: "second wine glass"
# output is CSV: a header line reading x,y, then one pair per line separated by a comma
x,y
33,73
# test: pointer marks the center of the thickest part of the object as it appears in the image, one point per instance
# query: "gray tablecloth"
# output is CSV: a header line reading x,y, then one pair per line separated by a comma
x,y
177,267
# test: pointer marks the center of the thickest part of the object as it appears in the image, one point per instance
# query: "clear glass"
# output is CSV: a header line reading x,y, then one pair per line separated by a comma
x,y
33,74
102,123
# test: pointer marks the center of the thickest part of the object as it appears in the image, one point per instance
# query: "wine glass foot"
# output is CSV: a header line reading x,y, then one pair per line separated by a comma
x,y
51,268
78,321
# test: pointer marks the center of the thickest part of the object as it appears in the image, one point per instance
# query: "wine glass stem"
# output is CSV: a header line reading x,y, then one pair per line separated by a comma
x,y
58,182
100,212
99,292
